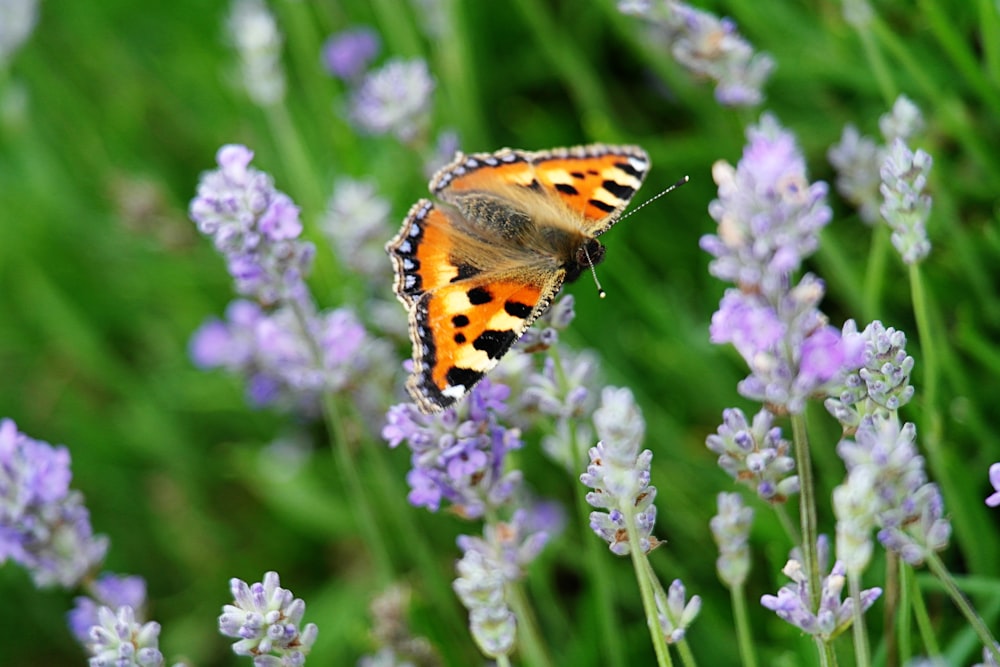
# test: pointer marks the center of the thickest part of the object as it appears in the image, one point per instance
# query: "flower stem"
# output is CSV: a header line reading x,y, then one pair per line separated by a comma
x,y
607,622
737,596
640,563
861,651
920,613
941,572
807,507
529,639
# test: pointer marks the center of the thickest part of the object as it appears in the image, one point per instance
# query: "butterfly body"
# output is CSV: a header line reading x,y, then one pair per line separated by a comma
x,y
477,270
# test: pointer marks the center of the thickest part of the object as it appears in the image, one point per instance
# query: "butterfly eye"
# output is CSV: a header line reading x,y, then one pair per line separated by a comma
x,y
588,255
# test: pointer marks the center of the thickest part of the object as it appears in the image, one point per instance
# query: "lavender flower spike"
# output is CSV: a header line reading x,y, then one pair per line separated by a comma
x,y
731,530
347,54
458,455
109,590
118,640
709,47
395,100
793,604
679,613
755,455
905,206
255,226
619,475
265,619
44,525
769,215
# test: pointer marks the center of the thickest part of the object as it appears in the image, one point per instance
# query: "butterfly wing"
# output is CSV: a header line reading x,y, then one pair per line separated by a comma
x,y
592,184
468,300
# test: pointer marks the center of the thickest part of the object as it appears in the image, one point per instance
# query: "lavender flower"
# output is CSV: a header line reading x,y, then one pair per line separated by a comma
x,y
793,604
769,217
993,500
44,525
488,565
709,47
118,640
17,20
279,359
906,508
905,206
458,455
480,586
882,382
619,475
858,159
357,224
731,530
989,660
755,455
678,613
111,591
346,54
255,226
394,99
265,619
258,41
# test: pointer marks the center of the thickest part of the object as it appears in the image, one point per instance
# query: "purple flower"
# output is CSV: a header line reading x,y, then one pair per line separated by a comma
x,y
460,454
769,219
255,227
264,619
118,639
769,215
357,224
109,590
679,613
994,498
755,455
279,358
858,158
905,206
619,475
794,605
346,54
880,383
731,530
709,47
44,525
480,586
394,100
893,492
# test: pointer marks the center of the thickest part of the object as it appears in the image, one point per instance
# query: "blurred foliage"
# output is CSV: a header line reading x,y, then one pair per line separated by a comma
x,y
112,109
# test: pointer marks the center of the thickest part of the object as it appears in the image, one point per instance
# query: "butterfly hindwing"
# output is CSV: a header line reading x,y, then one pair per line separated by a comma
x,y
461,330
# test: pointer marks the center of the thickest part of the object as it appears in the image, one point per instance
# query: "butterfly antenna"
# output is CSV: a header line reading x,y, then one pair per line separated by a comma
x,y
600,290
656,196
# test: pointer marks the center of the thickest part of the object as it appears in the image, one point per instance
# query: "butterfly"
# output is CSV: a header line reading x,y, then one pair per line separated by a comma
x,y
477,269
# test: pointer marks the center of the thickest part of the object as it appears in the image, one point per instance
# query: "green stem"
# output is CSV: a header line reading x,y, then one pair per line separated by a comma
x,y
503,660
341,451
640,563
607,622
529,639
687,657
920,614
747,655
781,511
963,604
878,66
807,508
892,602
905,627
875,268
861,651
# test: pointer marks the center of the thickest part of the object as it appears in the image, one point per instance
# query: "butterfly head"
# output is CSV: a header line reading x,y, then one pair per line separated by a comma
x,y
588,255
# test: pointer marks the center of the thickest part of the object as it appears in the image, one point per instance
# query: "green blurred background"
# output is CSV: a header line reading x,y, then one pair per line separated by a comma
x,y
111,110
